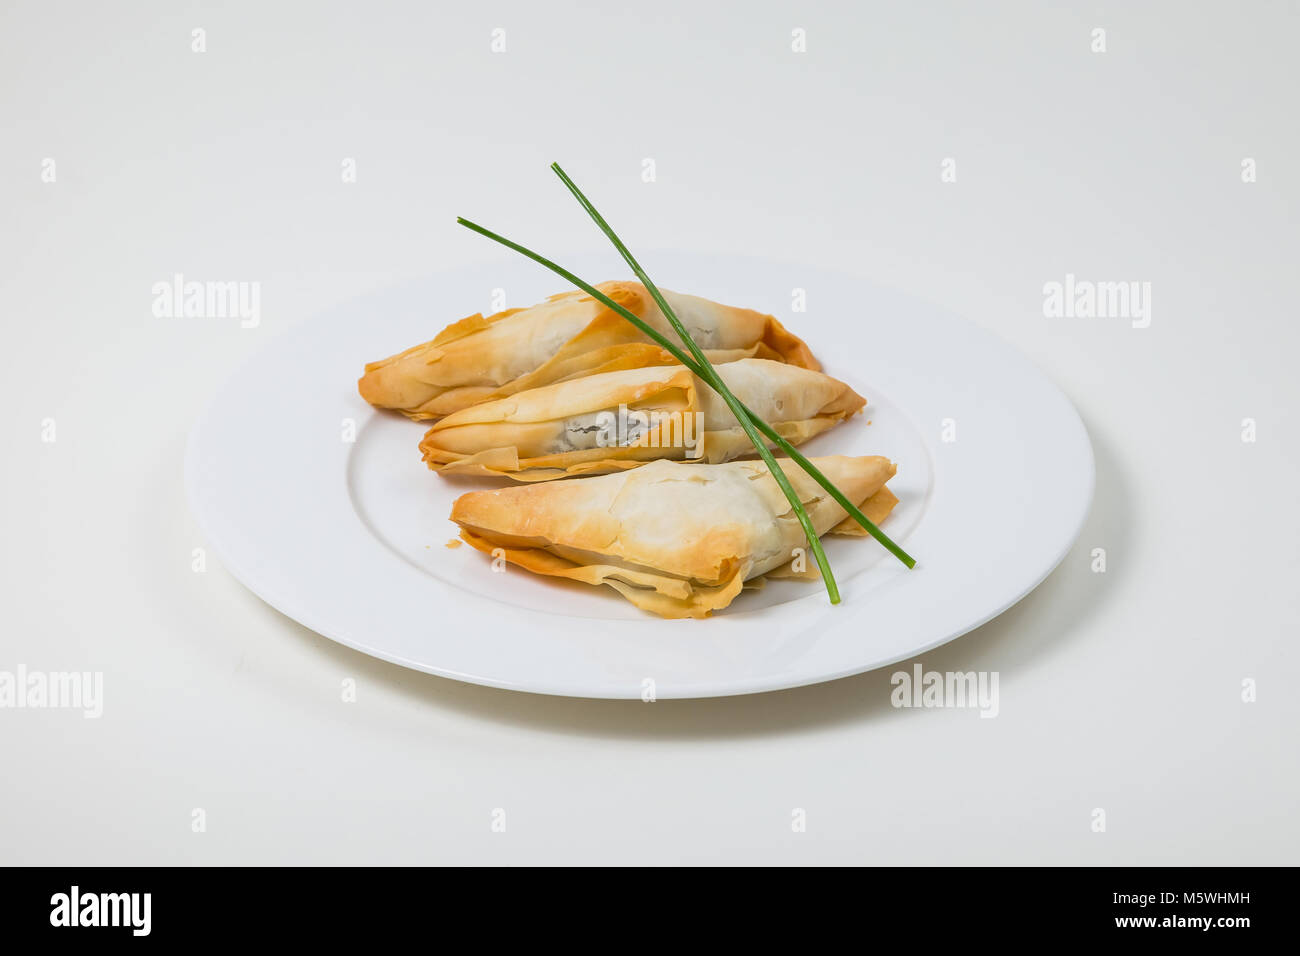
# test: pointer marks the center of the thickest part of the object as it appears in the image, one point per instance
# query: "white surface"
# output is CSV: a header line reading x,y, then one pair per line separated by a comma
x,y
1118,690
337,523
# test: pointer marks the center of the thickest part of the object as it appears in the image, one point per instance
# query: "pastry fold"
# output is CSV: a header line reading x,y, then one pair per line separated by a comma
x,y
480,359
678,540
619,420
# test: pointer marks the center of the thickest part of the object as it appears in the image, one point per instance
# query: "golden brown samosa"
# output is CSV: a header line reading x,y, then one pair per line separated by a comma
x,y
619,420
676,539
479,359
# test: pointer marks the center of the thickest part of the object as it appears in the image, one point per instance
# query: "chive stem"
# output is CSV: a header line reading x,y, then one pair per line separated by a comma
x,y
655,336
714,380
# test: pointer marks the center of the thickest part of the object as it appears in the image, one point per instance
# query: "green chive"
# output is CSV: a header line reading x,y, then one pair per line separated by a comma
x,y
654,335
715,381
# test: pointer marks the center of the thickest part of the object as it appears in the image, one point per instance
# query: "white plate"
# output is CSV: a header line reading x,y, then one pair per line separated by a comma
x,y
348,537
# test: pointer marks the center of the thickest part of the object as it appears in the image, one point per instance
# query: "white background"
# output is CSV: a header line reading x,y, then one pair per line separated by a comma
x,y
1119,690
